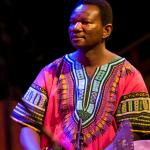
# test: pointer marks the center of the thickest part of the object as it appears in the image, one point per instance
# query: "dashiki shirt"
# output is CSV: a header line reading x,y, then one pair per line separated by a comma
x,y
62,93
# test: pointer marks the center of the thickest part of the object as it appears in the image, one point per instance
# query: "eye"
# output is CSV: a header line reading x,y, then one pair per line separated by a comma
x,y
72,21
85,22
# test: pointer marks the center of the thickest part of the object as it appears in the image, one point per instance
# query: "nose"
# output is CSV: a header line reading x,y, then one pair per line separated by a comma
x,y
76,27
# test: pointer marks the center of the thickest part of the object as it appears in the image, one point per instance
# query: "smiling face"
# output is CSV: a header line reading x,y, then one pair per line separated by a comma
x,y
86,30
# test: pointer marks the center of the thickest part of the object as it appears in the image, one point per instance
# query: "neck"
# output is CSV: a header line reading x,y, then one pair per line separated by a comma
x,y
93,58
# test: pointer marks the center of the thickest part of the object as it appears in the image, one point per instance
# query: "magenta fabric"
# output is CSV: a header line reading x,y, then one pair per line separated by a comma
x,y
62,93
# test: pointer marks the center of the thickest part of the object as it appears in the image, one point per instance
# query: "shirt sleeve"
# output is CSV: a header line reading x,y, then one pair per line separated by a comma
x,y
30,110
134,103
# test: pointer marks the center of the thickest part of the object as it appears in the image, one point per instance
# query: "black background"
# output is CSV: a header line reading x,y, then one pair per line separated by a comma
x,y
34,33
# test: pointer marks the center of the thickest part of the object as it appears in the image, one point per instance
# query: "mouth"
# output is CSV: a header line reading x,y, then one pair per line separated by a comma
x,y
76,38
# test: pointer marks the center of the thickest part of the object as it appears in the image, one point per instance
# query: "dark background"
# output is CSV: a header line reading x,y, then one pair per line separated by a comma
x,y
34,33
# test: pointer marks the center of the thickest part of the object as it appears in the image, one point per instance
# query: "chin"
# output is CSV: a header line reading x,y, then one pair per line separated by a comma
x,y
77,45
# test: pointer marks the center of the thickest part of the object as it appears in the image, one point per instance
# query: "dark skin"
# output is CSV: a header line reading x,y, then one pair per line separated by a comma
x,y
87,34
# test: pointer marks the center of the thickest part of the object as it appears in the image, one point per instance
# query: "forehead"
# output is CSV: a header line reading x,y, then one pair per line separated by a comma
x,y
86,10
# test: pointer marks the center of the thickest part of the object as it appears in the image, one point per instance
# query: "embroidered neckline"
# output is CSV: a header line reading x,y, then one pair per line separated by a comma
x,y
98,118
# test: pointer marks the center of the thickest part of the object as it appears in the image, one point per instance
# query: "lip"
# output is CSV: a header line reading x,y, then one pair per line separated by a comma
x,y
76,37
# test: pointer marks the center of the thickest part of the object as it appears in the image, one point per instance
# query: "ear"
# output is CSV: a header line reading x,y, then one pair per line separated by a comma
x,y
107,29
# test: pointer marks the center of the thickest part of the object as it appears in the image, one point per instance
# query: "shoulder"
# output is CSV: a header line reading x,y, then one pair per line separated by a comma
x,y
132,77
49,71
54,65
129,68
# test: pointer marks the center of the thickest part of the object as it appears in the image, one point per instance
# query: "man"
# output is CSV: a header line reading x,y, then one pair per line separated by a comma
x,y
86,94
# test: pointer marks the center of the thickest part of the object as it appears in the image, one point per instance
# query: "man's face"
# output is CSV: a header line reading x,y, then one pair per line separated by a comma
x,y
85,29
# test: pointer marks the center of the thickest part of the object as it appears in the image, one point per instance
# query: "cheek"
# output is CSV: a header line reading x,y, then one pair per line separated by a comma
x,y
95,30
95,34
69,33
